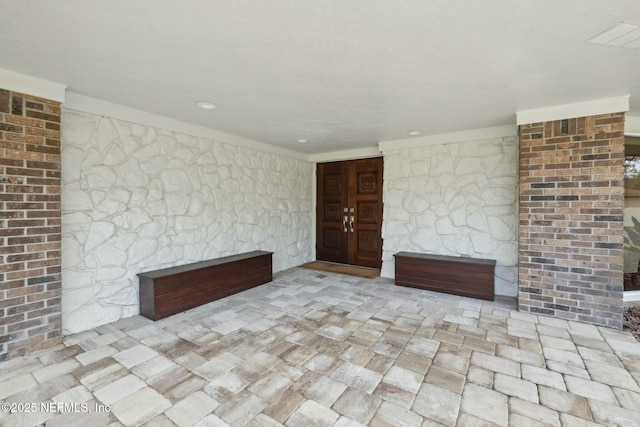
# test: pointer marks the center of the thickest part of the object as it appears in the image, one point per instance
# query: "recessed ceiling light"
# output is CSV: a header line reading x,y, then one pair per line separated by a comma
x,y
205,105
303,141
622,35
414,132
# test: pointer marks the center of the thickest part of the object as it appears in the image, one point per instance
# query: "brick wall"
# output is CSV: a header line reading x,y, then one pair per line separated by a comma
x,y
29,223
571,229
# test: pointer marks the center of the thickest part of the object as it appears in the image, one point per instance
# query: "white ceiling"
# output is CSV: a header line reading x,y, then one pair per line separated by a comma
x,y
340,73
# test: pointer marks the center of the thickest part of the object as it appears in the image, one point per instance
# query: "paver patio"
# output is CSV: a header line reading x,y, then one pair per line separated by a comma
x,y
321,349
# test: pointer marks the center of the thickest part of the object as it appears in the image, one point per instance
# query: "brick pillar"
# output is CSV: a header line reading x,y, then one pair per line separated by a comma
x,y
571,227
30,218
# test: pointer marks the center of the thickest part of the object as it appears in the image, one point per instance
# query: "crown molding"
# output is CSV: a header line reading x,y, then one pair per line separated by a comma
x,y
449,138
87,104
569,111
632,126
16,82
335,156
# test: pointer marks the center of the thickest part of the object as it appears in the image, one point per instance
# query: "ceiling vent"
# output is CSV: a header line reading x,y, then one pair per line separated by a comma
x,y
622,35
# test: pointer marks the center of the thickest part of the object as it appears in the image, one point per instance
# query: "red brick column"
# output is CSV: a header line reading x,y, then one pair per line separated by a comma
x,y
571,226
30,218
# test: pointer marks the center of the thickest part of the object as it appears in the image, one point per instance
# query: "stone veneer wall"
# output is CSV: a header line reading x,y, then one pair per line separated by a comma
x,y
571,229
29,223
137,198
454,199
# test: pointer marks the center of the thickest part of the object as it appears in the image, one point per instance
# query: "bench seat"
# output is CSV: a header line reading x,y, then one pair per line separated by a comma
x,y
469,277
173,290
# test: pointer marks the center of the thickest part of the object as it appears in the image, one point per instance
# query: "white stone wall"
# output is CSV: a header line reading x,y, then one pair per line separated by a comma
x,y
454,199
137,198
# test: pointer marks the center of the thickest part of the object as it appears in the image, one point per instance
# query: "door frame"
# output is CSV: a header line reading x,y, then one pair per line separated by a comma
x,y
358,154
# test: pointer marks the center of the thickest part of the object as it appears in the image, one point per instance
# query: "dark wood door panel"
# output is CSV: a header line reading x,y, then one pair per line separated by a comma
x,y
332,184
367,212
332,238
368,249
366,199
353,189
367,181
332,211
332,243
332,187
368,242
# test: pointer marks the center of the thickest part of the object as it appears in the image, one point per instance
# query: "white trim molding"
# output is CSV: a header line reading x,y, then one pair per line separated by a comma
x,y
32,86
630,296
632,126
86,104
356,153
569,111
448,138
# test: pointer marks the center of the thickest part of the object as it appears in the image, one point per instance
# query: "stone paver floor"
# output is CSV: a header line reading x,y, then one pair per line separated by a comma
x,y
319,349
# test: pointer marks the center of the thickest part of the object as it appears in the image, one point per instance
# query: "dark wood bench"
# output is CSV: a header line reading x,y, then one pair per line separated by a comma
x,y
175,289
469,277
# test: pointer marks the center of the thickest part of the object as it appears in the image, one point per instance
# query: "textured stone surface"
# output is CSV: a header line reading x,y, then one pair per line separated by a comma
x,y
357,405
244,378
485,404
137,198
141,406
312,414
454,199
438,404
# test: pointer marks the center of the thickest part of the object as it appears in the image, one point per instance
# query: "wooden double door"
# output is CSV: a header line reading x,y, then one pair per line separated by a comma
x,y
349,212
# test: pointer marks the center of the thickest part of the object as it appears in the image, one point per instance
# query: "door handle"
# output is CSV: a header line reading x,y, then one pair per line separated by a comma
x,y
352,220
344,222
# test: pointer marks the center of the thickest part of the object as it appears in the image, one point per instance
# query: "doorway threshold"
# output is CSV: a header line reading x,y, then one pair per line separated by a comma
x,y
350,270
